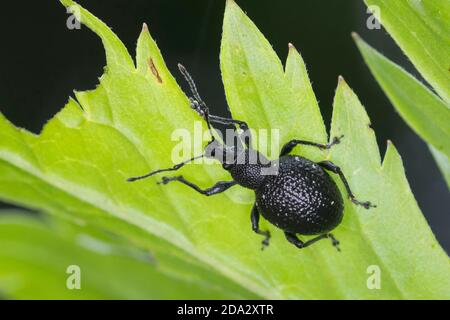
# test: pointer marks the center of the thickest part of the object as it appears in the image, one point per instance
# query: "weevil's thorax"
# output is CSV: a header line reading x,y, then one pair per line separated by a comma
x,y
249,168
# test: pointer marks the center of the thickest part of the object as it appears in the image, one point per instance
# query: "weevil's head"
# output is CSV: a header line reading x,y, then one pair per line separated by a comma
x,y
226,155
247,166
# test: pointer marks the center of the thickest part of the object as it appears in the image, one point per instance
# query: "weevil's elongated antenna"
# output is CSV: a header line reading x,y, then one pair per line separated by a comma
x,y
191,84
196,101
174,168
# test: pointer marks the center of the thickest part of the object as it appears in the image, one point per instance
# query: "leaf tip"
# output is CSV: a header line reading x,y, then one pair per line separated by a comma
x,y
291,46
71,115
144,34
67,3
362,45
344,87
355,36
392,159
230,4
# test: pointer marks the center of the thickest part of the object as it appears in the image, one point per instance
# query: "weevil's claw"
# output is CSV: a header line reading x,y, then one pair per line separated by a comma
x,y
336,245
366,204
265,242
166,180
336,140
335,242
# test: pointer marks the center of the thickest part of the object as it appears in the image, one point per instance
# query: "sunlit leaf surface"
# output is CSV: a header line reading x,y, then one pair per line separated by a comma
x,y
77,168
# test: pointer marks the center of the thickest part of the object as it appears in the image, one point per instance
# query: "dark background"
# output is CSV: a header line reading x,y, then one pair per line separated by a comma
x,y
42,61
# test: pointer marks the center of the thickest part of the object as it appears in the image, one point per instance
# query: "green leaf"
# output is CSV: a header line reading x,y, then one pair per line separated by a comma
x,y
36,255
78,165
443,163
421,29
425,112
256,84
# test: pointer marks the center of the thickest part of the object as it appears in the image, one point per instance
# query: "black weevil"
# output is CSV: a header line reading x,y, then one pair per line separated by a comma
x,y
295,194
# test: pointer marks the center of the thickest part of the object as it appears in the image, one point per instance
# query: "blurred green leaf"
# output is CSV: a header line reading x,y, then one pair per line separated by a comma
x,y
443,163
78,165
421,29
425,112
36,255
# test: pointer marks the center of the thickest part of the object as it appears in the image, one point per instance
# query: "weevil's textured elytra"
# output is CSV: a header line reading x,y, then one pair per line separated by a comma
x,y
293,193
301,198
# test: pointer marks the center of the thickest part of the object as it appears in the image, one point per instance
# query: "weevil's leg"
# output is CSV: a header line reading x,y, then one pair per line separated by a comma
x,y
328,165
287,148
245,136
219,187
243,125
255,227
203,111
292,238
199,107
174,168
334,241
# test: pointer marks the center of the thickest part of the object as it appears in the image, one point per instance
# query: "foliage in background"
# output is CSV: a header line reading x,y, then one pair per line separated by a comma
x,y
76,170
421,29
36,254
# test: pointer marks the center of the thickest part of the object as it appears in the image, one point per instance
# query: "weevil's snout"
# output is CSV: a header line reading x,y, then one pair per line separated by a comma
x,y
226,155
